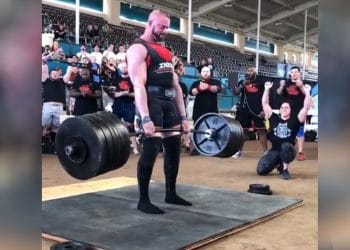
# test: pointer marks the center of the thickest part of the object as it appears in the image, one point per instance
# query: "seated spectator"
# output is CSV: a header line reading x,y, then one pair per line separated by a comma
x,y
61,32
89,33
95,31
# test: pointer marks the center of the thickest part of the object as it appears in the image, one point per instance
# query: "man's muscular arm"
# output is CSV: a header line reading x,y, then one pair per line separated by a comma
x,y
137,67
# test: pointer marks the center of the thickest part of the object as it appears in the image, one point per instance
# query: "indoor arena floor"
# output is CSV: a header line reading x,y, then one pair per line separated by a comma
x,y
296,229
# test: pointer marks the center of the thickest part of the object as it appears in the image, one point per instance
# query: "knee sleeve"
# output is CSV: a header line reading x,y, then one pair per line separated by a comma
x,y
148,157
268,163
287,153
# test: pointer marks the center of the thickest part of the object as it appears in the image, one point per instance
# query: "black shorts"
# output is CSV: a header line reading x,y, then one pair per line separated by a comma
x,y
245,117
124,110
163,112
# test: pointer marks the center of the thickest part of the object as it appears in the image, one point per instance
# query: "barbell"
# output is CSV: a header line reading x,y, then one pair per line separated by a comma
x,y
93,144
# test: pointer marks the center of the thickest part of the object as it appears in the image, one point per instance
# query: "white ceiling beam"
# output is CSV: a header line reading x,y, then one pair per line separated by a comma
x,y
283,4
297,27
253,11
301,35
211,6
273,33
284,14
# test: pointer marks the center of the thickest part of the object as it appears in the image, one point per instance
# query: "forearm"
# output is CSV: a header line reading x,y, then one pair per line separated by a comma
x,y
194,91
141,100
265,97
214,88
279,90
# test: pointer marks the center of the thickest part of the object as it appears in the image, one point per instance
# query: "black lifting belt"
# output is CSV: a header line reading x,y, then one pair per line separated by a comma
x,y
161,92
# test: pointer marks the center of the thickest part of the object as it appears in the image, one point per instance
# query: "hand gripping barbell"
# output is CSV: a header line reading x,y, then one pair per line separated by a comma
x,y
93,144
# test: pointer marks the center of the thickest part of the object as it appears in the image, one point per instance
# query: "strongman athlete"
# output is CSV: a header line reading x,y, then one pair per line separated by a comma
x,y
158,98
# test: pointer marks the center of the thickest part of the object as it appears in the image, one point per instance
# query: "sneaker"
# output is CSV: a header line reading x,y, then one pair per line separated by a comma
x,y
136,152
265,152
301,156
187,150
237,154
285,174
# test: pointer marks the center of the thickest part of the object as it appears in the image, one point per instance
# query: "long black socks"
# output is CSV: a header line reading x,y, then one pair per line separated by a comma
x,y
172,147
144,171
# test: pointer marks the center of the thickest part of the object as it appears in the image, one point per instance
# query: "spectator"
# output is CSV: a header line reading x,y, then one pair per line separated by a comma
x,y
109,52
250,108
202,64
97,54
54,102
85,93
61,32
206,91
82,53
121,56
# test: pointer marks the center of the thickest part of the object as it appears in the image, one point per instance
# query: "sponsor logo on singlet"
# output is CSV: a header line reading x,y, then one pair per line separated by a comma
x,y
165,67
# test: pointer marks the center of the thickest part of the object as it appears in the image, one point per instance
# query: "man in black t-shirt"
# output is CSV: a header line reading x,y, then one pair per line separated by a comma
x,y
282,131
86,94
250,109
206,91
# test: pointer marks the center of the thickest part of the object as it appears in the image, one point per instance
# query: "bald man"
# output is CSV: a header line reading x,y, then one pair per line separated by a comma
x,y
159,102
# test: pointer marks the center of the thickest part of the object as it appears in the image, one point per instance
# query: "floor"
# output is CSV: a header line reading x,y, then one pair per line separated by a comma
x,y
296,229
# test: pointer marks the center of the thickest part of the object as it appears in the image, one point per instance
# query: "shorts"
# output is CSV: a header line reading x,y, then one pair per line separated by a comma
x,y
301,132
163,112
245,117
124,110
51,112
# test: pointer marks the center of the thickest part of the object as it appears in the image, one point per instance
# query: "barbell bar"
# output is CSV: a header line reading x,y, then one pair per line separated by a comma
x,y
93,144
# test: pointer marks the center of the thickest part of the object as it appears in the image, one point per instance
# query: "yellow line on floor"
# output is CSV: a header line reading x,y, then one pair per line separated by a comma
x,y
50,193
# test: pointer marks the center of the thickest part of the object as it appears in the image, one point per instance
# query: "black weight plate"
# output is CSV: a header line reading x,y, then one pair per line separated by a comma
x,y
120,143
121,135
78,127
93,118
236,138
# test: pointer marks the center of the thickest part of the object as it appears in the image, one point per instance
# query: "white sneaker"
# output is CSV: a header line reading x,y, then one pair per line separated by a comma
x,y
237,154
136,152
